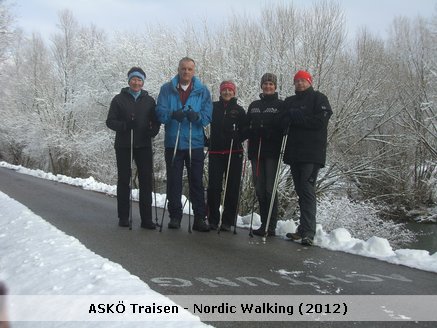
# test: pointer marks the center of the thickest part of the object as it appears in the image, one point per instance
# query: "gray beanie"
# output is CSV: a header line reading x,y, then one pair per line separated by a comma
x,y
269,77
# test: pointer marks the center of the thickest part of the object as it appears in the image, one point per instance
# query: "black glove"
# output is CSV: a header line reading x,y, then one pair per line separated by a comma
x,y
192,116
252,132
178,115
231,135
254,126
261,132
131,124
258,132
296,116
235,135
285,122
153,130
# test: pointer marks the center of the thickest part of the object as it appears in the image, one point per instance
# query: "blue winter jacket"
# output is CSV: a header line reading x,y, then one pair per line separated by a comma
x,y
199,101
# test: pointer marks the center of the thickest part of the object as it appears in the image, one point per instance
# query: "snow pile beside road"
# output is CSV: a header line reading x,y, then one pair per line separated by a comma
x,y
338,239
38,259
375,247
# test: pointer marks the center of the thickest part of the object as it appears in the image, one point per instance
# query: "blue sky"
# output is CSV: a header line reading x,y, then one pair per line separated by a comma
x,y
109,15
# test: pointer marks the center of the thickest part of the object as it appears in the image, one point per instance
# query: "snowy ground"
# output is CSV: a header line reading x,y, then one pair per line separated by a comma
x,y
31,265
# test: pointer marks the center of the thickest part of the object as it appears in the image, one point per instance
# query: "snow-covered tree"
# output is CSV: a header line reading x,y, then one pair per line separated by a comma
x,y
382,136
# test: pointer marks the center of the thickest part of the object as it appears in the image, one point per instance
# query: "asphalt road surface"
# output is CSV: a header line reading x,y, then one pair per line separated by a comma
x,y
174,262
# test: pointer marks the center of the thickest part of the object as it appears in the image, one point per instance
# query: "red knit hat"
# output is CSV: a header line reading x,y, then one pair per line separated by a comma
x,y
228,85
303,75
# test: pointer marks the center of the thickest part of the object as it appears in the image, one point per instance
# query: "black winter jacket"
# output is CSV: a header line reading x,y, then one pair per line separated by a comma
x,y
262,124
224,116
123,108
307,137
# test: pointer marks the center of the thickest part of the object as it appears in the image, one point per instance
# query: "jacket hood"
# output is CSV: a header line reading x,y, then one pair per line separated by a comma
x,y
232,101
303,93
274,96
197,84
126,90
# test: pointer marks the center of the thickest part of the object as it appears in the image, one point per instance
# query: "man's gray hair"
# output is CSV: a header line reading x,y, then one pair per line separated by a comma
x,y
185,59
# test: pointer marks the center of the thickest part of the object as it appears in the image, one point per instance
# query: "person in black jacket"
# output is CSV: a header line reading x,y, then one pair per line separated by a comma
x,y
265,138
133,109
306,115
227,124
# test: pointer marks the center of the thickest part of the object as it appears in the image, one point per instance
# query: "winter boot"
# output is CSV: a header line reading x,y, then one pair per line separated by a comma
x,y
200,225
123,222
272,227
271,232
174,223
307,241
213,226
225,227
293,235
148,225
260,231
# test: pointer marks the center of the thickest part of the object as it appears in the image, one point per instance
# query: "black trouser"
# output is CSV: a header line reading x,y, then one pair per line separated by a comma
x,y
143,161
264,173
217,167
304,178
195,181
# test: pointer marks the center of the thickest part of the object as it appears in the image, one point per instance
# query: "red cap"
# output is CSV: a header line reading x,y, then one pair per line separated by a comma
x,y
303,75
228,85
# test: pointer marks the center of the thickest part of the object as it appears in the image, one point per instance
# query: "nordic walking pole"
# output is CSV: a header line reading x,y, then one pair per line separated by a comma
x,y
239,193
257,174
172,161
176,143
163,212
154,184
131,173
189,177
251,217
275,184
226,183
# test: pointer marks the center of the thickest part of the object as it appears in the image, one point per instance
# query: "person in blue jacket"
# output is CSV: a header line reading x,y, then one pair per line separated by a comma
x,y
184,105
